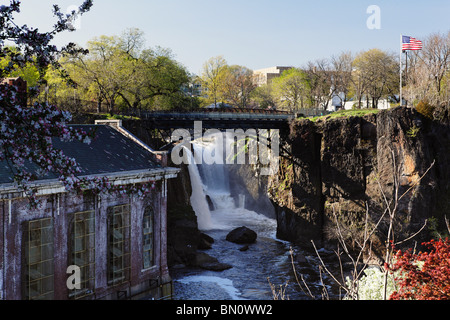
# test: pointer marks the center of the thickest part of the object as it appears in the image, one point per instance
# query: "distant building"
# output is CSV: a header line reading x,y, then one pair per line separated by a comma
x,y
117,244
193,89
336,103
265,76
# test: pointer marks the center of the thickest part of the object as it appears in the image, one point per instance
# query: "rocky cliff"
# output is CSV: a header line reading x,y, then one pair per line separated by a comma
x,y
337,170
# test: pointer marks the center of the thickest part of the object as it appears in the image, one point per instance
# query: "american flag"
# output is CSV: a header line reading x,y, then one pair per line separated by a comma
x,y
410,43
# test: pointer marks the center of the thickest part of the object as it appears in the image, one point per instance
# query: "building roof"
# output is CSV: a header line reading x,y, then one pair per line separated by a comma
x,y
111,152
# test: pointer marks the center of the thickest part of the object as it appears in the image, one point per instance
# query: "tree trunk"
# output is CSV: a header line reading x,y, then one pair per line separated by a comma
x,y
99,105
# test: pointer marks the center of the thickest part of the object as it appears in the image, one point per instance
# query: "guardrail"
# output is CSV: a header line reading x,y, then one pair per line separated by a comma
x,y
215,116
229,114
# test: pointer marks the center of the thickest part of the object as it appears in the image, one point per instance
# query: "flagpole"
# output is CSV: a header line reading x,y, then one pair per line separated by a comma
x,y
401,81
406,74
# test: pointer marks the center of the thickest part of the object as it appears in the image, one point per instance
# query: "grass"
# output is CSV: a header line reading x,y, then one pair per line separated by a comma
x,y
346,114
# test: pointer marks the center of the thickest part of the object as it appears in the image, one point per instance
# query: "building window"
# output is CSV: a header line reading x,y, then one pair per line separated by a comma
x,y
39,272
82,252
119,253
148,237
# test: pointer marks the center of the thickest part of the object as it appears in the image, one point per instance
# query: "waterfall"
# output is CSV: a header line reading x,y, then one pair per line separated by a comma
x,y
209,179
210,183
198,197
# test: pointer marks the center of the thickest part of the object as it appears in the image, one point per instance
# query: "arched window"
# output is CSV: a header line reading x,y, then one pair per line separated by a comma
x,y
148,237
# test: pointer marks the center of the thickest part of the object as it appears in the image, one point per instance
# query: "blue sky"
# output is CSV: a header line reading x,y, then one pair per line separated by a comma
x,y
252,33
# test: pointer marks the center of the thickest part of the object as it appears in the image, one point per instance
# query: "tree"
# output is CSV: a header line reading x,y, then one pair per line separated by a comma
x,y
292,89
436,56
264,97
159,81
107,70
375,75
320,78
212,77
121,72
237,85
342,75
429,71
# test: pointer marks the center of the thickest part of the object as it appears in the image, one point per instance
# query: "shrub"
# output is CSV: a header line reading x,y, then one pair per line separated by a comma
x,y
413,131
371,285
425,109
424,276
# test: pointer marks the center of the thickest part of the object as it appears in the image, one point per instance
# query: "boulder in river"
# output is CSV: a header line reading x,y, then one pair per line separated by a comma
x,y
242,235
205,242
205,261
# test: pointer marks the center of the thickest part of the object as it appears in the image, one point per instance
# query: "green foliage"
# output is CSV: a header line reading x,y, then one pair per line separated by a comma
x,y
29,72
413,131
120,117
292,89
347,114
122,74
212,78
263,96
375,75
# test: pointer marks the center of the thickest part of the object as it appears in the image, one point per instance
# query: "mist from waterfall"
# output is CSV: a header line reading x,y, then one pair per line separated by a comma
x,y
211,198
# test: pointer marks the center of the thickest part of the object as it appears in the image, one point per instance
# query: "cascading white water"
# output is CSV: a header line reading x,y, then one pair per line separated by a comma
x,y
213,175
198,198
211,179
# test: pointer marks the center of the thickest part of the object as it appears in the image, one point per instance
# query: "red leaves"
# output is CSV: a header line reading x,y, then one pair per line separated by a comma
x,y
426,275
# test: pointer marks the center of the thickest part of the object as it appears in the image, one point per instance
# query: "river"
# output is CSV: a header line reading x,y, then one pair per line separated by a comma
x,y
265,262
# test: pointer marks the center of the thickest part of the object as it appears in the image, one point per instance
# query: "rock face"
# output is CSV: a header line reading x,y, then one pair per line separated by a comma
x,y
246,180
296,190
242,235
183,236
339,169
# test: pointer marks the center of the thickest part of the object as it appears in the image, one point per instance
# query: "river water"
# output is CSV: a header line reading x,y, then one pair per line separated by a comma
x,y
265,262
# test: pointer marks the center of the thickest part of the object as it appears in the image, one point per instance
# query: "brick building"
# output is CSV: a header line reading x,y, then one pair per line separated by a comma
x,y
115,246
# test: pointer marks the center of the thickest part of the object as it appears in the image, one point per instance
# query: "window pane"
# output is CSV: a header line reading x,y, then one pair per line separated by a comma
x,y
118,244
39,257
147,238
83,252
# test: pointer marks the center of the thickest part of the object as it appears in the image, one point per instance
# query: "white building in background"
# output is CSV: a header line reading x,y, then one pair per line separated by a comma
x,y
266,75
336,103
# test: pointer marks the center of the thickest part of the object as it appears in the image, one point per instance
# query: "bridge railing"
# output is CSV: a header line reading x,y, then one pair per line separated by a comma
x,y
226,110
231,113
216,116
